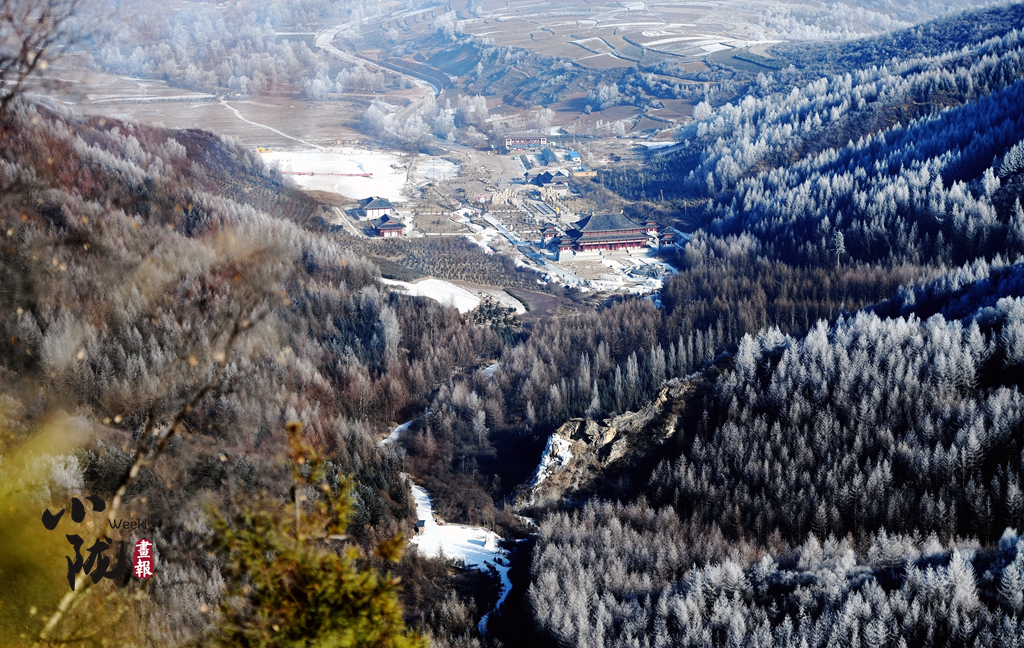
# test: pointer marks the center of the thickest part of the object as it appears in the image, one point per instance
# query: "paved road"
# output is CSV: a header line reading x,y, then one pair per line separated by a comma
x,y
347,221
325,41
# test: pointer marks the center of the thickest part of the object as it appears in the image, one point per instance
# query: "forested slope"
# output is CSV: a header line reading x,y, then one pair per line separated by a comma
x,y
842,472
850,486
251,48
851,482
935,37
732,150
141,267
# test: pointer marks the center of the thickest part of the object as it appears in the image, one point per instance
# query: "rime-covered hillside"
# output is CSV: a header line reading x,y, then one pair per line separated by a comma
x,y
149,274
858,485
910,157
850,478
815,437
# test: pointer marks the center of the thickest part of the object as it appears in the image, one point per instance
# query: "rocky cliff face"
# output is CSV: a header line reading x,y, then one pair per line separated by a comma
x,y
582,454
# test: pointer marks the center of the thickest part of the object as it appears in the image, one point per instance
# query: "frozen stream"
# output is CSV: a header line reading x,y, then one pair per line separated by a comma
x,y
475,546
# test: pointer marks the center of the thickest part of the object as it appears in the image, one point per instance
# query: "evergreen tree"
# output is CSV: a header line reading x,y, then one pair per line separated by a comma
x,y
1011,584
1016,225
290,583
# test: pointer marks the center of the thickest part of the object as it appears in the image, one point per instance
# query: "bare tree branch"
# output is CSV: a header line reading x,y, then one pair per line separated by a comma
x,y
30,32
145,455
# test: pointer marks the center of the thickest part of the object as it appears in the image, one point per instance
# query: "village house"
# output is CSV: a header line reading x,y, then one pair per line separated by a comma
x,y
513,142
583,173
558,176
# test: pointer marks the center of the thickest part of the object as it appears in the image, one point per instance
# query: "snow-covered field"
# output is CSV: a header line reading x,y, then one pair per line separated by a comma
x,y
386,181
430,169
464,299
502,297
475,546
438,290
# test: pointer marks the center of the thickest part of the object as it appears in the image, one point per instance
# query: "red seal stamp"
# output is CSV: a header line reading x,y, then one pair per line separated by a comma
x,y
142,559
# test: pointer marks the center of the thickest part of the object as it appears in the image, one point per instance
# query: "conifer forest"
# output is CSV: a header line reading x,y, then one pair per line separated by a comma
x,y
810,433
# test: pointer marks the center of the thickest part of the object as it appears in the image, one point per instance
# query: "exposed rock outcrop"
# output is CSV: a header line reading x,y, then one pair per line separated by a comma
x,y
581,452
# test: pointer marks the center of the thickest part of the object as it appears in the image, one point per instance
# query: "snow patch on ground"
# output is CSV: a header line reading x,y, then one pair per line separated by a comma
x,y
397,432
483,238
500,296
386,181
438,290
476,547
432,169
557,454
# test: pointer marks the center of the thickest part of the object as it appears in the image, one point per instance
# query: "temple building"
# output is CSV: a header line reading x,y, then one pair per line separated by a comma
x,y
606,232
549,232
376,207
558,176
388,227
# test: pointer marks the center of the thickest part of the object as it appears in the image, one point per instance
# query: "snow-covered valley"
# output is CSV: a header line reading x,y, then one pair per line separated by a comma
x,y
474,546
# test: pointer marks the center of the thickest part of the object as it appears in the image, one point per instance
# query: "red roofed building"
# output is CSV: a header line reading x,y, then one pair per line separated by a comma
x,y
549,232
388,227
599,232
